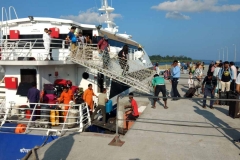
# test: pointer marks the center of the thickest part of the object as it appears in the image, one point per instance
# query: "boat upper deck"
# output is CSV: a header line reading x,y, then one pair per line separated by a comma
x,y
185,131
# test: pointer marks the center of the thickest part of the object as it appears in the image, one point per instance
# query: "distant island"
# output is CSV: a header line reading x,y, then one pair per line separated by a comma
x,y
158,58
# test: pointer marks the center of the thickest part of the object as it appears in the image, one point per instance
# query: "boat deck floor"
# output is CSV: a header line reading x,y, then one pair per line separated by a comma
x,y
158,134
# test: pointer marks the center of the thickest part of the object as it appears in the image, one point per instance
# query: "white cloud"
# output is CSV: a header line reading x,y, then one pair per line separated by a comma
x,y
90,16
195,6
177,15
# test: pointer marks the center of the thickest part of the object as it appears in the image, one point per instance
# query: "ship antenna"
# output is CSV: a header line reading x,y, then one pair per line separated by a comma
x,y
111,26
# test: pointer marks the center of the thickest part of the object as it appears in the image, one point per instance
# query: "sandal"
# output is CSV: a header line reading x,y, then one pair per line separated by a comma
x,y
154,107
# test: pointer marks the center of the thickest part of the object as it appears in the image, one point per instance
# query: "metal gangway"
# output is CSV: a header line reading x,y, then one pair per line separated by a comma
x,y
138,76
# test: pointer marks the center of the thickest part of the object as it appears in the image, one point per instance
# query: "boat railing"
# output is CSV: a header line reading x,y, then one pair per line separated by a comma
x,y
12,49
47,117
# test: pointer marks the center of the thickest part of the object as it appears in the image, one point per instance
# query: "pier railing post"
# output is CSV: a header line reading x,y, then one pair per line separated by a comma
x,y
116,140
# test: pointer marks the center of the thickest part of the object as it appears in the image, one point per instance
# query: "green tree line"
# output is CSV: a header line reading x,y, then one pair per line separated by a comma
x,y
159,58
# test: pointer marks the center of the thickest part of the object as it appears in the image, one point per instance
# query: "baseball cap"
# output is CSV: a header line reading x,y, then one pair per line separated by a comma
x,y
105,37
217,62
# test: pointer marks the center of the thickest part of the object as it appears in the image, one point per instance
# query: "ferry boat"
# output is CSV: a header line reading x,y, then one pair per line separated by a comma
x,y
23,59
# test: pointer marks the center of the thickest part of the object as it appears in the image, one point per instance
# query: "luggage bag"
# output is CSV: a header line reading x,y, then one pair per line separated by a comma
x,y
234,106
190,93
223,95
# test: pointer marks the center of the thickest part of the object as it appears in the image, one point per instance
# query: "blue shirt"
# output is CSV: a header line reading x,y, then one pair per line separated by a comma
x,y
71,35
176,72
33,95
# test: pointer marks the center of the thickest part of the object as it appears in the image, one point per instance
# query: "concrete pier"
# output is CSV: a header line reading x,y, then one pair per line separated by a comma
x,y
185,131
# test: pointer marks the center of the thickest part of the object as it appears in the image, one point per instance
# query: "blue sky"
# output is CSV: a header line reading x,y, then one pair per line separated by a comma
x,y
194,28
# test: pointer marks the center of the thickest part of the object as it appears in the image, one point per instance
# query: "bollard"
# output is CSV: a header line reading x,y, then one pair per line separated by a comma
x,y
116,140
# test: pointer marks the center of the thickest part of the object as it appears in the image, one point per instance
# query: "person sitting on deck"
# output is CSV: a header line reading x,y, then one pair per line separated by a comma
x,y
88,97
210,83
33,96
65,97
134,110
102,99
158,84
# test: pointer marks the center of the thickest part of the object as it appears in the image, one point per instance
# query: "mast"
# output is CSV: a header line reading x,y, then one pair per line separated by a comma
x,y
111,26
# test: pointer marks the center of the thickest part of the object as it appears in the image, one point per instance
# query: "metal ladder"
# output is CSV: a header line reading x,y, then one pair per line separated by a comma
x,y
83,57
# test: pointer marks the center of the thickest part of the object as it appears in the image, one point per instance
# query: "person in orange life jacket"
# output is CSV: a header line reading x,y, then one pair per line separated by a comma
x,y
88,97
65,97
122,57
104,48
226,76
134,108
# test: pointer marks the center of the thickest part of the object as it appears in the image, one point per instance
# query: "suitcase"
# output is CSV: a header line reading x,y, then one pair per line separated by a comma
x,y
60,82
223,95
190,93
234,106
74,89
49,98
48,87
109,106
49,92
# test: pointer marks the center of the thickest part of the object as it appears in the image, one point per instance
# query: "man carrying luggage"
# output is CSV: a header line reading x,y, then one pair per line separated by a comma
x,y
158,84
208,88
102,99
104,48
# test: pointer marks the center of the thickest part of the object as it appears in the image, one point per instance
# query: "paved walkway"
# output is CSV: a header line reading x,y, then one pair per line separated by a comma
x,y
156,140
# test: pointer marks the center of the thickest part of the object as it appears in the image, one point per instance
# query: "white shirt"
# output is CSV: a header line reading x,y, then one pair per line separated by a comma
x,y
46,38
216,71
82,39
234,70
238,79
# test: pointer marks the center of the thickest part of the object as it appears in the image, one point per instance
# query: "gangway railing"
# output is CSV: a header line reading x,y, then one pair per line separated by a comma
x,y
113,68
78,117
32,48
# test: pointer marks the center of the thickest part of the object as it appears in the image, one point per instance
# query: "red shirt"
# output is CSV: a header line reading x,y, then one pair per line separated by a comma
x,y
102,44
134,108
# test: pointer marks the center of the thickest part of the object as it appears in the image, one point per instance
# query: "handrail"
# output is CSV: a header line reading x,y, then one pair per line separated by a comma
x,y
30,49
77,125
9,10
4,9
